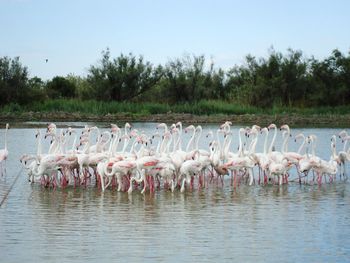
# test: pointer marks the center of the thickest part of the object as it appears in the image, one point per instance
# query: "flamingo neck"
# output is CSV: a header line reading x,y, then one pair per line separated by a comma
x,y
189,144
218,138
115,144
175,141
313,147
285,142
301,146
273,140
6,138
253,145
226,145
86,149
265,142
107,142
132,149
126,143
38,152
198,136
167,148
345,144
240,148
74,142
179,142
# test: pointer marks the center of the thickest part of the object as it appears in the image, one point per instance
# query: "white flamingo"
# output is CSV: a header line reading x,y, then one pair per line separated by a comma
x,y
4,152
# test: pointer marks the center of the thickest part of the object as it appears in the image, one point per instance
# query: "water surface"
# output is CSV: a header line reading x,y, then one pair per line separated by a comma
x,y
288,223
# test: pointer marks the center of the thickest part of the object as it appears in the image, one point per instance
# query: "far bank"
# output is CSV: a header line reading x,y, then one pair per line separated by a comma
x,y
292,119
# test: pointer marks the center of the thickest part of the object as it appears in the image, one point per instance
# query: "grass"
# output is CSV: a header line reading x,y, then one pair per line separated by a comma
x,y
204,107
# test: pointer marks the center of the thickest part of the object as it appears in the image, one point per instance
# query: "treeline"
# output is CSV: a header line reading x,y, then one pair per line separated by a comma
x,y
279,80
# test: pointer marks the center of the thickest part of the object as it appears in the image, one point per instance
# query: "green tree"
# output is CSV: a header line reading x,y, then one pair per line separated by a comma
x,y
83,89
122,78
13,81
60,87
281,80
188,80
37,89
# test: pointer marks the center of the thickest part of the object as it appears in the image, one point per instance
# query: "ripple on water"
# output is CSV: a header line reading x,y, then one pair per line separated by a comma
x,y
250,224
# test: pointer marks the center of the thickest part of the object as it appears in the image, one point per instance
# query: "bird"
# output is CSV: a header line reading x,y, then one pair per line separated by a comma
x,y
4,152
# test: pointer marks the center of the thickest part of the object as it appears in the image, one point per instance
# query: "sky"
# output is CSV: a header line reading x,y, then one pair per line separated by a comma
x,y
71,34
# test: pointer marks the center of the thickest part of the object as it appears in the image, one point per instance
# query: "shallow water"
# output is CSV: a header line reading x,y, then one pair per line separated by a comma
x,y
288,223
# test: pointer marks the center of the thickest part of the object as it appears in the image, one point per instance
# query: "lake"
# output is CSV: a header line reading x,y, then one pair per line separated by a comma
x,y
288,223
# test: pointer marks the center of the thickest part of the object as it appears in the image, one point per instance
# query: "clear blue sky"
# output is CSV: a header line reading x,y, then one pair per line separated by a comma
x,y
72,33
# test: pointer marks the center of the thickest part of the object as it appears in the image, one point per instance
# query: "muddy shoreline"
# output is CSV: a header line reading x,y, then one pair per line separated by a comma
x,y
328,120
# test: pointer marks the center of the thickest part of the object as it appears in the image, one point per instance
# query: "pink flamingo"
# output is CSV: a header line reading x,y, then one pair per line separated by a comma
x,y
4,152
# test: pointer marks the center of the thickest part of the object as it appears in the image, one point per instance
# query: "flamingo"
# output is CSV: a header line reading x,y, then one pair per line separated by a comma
x,y
342,156
280,169
190,145
34,158
120,169
323,167
4,152
146,163
188,170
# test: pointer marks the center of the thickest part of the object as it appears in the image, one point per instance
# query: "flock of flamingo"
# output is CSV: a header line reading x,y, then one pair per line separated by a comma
x,y
128,159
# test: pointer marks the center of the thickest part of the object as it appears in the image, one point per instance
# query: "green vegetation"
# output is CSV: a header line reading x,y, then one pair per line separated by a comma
x,y
281,83
204,107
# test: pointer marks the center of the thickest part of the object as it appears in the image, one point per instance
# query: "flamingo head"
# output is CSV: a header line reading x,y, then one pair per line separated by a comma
x,y
342,134
264,130
227,133
256,127
346,138
133,133
115,130
272,126
50,127
37,134
174,130
284,127
161,125
128,126
209,134
190,128
333,138
300,135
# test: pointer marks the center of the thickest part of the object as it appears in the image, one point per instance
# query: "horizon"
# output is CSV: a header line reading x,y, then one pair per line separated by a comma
x,y
72,35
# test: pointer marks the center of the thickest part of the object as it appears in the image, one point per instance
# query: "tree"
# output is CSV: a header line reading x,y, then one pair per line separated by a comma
x,y
83,89
277,80
60,87
188,80
37,89
13,81
123,78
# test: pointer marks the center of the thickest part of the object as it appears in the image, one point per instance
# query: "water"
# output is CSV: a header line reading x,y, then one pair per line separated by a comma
x,y
288,223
